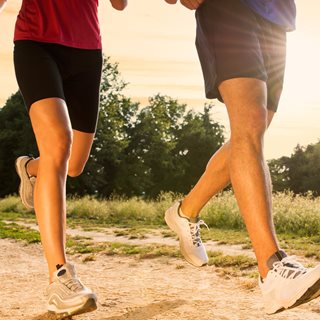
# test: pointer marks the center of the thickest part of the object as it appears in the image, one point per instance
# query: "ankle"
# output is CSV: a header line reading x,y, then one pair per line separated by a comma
x,y
265,267
29,166
184,212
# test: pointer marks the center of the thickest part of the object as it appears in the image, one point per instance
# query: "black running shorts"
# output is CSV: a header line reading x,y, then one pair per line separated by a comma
x,y
47,70
234,42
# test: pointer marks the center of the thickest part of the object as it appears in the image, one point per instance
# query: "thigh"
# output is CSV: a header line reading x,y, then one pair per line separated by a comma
x,y
51,125
82,88
37,73
246,102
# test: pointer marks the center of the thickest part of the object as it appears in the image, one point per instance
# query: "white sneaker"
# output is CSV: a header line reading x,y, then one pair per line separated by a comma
x,y
26,188
67,296
289,284
188,232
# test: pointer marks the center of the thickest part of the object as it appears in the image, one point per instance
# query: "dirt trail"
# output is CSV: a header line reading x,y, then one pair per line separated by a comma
x,y
133,289
154,236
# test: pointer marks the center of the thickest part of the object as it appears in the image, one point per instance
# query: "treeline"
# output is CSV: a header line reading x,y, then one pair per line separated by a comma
x,y
137,151
145,151
300,172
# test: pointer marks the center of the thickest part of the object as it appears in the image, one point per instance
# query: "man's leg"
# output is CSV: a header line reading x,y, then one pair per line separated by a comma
x,y
246,100
241,162
215,178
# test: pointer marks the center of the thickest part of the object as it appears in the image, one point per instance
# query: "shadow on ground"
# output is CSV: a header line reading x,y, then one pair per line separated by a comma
x,y
48,316
148,311
141,313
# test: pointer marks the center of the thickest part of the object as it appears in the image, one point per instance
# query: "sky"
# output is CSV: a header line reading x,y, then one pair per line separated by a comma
x,y
153,43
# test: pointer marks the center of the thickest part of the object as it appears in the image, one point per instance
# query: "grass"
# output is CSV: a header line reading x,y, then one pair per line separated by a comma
x,y
297,220
296,215
17,232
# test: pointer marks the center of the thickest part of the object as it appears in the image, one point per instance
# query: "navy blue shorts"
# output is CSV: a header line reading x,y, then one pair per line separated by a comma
x,y
234,42
47,70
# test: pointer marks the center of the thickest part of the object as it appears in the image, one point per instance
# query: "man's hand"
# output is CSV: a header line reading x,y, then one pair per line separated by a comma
x,y
190,4
2,4
118,4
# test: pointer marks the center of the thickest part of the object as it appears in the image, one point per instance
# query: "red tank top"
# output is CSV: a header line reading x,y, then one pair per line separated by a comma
x,y
72,23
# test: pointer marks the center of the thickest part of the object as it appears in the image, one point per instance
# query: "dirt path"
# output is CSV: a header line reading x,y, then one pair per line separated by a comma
x,y
133,289
154,236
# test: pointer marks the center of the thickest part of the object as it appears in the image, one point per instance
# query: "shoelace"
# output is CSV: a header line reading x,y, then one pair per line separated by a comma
x,y
195,232
73,284
289,268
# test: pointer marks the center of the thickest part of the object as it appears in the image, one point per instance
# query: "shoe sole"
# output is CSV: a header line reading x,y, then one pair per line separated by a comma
x,y
89,306
311,293
22,177
172,226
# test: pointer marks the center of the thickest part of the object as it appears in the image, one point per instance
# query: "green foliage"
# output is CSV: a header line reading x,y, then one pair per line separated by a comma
x,y
299,173
119,211
15,231
296,214
16,138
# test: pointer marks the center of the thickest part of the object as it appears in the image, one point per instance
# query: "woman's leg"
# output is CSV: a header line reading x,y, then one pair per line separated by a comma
x,y
80,151
52,128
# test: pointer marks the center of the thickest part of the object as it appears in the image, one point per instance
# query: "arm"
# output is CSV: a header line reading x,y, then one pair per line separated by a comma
x,y
118,4
2,4
190,4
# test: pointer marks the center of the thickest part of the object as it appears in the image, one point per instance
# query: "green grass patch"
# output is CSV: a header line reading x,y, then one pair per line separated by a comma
x,y
132,233
293,214
233,265
17,232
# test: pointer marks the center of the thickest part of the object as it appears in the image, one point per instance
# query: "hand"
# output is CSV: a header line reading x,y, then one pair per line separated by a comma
x,y
118,4
190,4
2,4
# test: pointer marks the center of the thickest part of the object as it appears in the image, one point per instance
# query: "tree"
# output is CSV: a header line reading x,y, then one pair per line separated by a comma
x,y
198,139
299,173
169,148
16,138
150,158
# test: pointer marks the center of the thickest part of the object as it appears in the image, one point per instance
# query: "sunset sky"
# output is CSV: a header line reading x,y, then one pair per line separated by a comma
x,y
154,45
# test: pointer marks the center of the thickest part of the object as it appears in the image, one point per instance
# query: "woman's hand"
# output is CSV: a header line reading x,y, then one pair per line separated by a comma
x,y
118,4
190,4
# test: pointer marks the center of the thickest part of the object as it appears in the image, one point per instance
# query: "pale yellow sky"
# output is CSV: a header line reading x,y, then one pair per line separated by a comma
x,y
154,44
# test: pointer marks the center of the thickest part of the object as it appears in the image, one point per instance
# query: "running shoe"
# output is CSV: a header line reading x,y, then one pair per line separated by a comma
x,y
288,283
67,296
188,232
27,183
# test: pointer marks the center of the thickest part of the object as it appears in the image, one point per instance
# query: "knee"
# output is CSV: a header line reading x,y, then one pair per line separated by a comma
x,y
75,170
58,150
253,127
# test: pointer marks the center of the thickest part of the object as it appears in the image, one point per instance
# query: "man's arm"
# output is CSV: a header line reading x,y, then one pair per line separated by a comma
x,y
190,4
118,4
2,4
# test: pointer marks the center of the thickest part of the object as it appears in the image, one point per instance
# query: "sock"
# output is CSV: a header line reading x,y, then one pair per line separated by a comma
x,y
58,266
277,256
